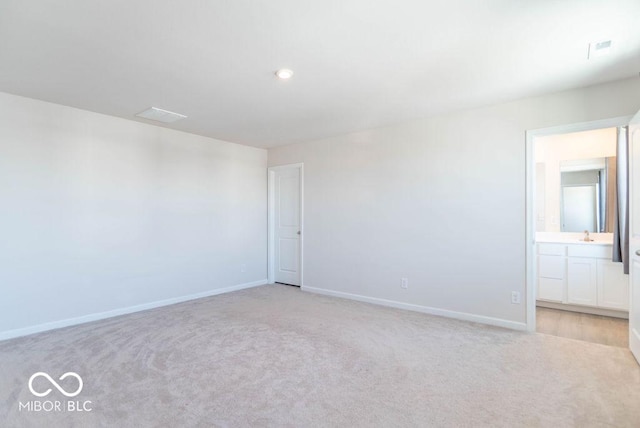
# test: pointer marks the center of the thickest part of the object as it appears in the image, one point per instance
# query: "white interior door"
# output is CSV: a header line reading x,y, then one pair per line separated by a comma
x,y
634,235
287,225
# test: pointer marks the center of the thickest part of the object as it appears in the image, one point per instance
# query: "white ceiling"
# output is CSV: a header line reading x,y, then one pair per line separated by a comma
x,y
358,63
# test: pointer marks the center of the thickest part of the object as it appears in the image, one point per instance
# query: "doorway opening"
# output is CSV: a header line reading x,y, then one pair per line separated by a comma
x,y
286,224
574,289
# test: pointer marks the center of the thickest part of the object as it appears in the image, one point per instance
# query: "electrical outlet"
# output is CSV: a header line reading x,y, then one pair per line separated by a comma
x,y
404,283
243,268
515,297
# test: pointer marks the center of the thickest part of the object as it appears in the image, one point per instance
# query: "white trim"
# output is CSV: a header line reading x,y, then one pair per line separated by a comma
x,y
513,325
270,228
530,161
530,247
634,334
613,122
10,334
270,216
613,313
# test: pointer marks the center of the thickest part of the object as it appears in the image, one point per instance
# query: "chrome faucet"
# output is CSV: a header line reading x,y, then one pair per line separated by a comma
x,y
586,236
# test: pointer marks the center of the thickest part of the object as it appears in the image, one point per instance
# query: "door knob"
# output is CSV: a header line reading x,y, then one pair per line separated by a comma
x,y
299,234
637,252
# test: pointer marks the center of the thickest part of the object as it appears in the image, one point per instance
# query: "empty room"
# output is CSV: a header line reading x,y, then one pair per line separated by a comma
x,y
320,213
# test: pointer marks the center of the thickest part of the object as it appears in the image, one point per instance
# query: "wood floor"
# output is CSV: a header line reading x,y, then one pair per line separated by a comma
x,y
587,327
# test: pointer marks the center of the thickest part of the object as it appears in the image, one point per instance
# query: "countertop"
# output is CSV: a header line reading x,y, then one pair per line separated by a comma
x,y
574,238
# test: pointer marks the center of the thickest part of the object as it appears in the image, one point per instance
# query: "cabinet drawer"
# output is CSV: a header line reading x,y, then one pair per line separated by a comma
x,y
550,289
595,251
551,267
552,249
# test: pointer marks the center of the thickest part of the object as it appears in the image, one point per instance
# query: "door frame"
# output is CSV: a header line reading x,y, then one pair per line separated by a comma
x,y
530,207
271,174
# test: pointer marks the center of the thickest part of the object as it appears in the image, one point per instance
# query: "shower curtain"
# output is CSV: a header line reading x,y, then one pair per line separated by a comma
x,y
621,228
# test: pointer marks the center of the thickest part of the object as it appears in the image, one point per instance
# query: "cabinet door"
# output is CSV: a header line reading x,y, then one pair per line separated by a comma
x,y
613,286
581,281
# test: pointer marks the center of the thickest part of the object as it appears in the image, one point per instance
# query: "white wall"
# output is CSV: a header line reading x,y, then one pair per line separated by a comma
x,y
98,214
440,201
553,149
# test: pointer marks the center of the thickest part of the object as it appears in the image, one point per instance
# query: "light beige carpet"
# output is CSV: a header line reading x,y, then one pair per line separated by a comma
x,y
276,356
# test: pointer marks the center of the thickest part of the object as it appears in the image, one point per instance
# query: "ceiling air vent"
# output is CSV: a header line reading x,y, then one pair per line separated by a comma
x,y
597,49
159,115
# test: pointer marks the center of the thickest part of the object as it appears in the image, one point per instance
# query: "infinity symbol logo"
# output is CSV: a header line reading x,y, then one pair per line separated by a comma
x,y
53,382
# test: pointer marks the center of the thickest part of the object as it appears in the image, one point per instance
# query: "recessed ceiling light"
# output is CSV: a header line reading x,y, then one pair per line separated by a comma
x,y
284,73
160,115
599,48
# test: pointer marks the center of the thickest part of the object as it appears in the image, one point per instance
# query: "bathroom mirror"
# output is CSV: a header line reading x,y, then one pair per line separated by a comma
x,y
587,195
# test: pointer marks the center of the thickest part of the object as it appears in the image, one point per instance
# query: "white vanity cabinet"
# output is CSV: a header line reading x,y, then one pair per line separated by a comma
x,y
581,274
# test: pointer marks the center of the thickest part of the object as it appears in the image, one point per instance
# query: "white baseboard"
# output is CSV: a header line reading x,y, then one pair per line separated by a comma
x,y
10,334
584,309
513,325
